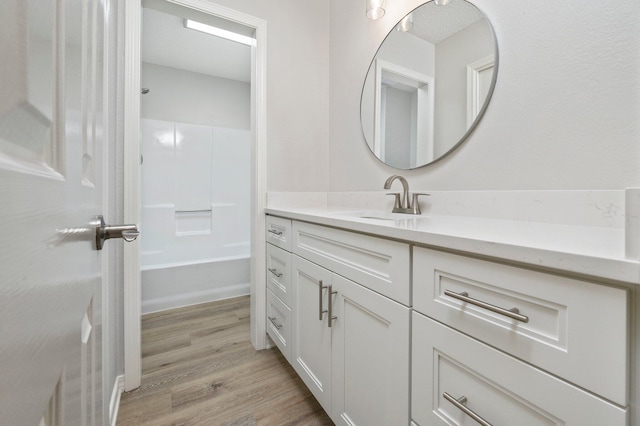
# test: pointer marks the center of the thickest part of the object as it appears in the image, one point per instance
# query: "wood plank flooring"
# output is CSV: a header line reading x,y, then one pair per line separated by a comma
x,y
199,368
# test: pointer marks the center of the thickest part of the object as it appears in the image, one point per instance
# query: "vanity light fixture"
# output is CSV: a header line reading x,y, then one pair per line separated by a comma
x,y
406,23
219,32
375,9
442,2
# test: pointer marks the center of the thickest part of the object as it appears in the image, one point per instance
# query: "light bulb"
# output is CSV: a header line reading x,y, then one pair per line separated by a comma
x,y
406,23
375,9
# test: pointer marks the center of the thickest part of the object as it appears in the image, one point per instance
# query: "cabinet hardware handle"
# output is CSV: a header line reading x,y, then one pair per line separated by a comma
x,y
331,293
513,313
275,272
320,310
274,232
275,324
459,404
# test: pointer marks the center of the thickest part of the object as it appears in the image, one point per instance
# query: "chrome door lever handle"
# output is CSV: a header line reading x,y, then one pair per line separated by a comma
x,y
105,232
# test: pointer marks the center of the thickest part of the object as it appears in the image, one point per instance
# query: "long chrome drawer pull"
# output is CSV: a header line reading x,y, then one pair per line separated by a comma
x,y
274,232
320,310
513,313
459,403
275,272
275,324
331,293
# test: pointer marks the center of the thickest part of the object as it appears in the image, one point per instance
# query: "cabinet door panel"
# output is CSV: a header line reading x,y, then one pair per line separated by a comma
x,y
311,335
370,357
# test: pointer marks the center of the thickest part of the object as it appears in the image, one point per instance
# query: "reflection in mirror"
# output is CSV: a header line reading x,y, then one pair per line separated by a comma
x,y
428,84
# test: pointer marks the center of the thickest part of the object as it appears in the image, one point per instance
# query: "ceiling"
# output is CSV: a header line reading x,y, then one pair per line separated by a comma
x,y
166,42
435,23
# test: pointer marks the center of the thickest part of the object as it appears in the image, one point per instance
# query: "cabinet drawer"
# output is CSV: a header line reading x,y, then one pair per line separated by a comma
x,y
499,388
278,232
381,265
575,329
279,273
279,324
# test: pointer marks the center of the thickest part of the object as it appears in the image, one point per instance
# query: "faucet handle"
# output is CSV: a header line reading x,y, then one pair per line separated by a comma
x,y
396,203
415,205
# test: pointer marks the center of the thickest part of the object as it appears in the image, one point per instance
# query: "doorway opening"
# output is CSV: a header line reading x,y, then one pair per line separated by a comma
x,y
195,126
195,159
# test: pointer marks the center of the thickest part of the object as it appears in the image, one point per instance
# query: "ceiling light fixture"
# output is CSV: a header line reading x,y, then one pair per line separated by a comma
x,y
406,23
219,32
375,9
442,2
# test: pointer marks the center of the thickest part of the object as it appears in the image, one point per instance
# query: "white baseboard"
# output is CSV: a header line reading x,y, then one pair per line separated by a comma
x,y
194,298
114,403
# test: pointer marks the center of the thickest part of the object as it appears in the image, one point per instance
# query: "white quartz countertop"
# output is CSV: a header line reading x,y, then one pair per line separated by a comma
x,y
591,251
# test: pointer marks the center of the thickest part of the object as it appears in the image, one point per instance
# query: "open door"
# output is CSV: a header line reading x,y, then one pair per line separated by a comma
x,y
52,126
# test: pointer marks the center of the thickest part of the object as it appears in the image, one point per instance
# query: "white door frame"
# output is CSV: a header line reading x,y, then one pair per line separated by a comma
x,y
131,96
475,99
425,88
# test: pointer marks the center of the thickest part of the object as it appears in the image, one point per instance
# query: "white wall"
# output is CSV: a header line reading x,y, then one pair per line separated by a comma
x,y
453,54
189,97
564,114
297,91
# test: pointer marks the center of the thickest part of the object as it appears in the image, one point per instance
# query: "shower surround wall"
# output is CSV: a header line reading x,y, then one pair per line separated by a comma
x,y
195,188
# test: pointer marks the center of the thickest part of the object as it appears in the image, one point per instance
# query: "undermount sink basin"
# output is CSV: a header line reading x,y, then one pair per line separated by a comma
x,y
379,216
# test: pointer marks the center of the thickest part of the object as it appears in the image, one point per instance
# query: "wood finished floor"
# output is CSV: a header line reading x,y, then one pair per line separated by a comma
x,y
199,368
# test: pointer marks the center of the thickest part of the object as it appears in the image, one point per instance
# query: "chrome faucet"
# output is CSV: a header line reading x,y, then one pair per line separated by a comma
x,y
403,205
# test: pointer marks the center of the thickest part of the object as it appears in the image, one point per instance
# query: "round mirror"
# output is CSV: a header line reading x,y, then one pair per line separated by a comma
x,y
429,83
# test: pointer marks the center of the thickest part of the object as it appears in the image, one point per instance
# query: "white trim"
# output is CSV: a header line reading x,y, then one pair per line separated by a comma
x,y
473,86
425,86
259,185
114,402
195,298
132,298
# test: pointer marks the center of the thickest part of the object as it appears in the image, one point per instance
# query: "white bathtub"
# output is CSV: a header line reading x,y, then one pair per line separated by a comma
x,y
190,267
195,216
174,285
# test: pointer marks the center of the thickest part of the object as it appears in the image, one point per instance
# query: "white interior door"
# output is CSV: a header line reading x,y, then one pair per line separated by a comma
x,y
51,135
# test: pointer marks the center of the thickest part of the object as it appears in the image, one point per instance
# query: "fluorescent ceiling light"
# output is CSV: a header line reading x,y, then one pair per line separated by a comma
x,y
219,32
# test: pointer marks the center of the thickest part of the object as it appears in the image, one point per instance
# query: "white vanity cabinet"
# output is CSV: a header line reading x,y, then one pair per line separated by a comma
x,y
350,347
349,335
388,332
278,277
537,348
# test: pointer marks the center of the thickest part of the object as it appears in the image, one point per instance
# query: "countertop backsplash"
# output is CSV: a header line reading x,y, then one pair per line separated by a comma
x,y
598,208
